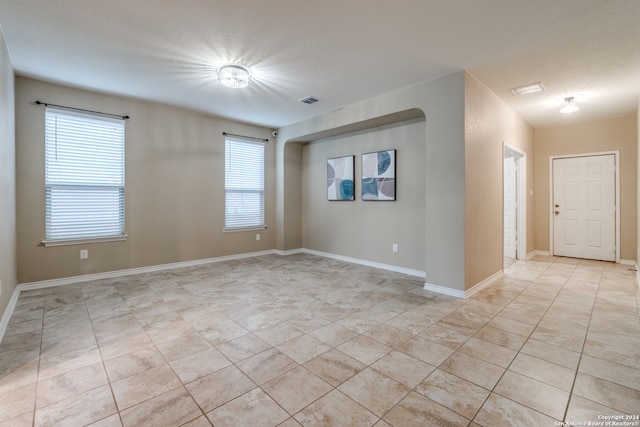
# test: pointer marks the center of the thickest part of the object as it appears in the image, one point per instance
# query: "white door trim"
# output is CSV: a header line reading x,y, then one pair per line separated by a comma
x,y
616,154
521,174
510,204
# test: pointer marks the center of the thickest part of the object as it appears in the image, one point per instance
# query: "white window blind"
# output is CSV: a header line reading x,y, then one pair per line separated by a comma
x,y
84,175
244,183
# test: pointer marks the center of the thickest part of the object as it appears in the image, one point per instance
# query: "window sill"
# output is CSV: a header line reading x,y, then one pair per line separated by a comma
x,y
233,230
68,242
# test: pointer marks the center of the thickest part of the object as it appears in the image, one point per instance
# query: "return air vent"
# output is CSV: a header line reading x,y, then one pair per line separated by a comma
x,y
526,90
309,100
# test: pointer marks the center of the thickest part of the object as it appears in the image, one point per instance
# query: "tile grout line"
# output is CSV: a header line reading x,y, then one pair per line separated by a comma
x,y
437,367
35,396
456,350
102,361
575,378
157,349
596,357
557,297
507,368
528,338
155,346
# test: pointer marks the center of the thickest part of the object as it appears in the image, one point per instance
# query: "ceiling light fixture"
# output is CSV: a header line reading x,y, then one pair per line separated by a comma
x,y
525,90
569,105
234,76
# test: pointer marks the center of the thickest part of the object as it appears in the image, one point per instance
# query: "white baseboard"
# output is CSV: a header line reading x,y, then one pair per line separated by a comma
x,y
457,293
531,255
483,284
547,253
4,322
161,267
108,275
403,270
464,294
137,270
288,252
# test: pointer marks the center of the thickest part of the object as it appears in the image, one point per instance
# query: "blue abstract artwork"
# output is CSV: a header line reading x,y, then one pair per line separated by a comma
x,y
379,175
340,178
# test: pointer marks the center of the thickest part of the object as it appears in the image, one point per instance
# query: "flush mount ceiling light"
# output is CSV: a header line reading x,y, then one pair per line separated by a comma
x,y
234,76
569,105
525,90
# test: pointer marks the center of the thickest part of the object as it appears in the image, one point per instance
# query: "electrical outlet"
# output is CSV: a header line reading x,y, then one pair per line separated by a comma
x,y
394,248
258,236
84,253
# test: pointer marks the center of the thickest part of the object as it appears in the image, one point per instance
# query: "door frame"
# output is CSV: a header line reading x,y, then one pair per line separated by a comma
x,y
616,154
521,200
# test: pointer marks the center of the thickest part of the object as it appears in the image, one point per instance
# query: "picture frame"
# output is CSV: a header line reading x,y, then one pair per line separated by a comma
x,y
379,175
341,178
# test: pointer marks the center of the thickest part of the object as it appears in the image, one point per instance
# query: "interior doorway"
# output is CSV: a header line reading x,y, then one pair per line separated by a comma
x,y
514,219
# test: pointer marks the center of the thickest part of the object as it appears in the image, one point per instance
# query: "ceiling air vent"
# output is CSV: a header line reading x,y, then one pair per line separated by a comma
x,y
309,100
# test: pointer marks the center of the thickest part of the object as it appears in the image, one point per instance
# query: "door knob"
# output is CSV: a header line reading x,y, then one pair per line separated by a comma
x,y
557,212
557,205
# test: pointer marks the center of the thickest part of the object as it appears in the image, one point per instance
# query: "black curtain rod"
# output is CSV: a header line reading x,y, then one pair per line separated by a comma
x,y
246,137
82,109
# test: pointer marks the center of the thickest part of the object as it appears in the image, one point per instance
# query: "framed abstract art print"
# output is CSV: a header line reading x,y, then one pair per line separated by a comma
x,y
379,175
340,178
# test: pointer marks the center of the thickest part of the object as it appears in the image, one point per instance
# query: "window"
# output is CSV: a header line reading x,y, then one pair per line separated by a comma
x,y
243,183
84,176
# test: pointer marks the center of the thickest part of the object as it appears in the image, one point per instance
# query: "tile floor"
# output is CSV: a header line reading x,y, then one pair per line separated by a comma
x,y
304,340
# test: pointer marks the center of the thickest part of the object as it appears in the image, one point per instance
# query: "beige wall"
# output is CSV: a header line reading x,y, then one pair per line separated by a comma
x,y
489,124
465,128
174,187
8,257
292,216
174,199
603,135
368,229
441,102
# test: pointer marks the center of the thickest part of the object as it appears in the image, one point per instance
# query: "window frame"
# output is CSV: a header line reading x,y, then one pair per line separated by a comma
x,y
244,188
75,185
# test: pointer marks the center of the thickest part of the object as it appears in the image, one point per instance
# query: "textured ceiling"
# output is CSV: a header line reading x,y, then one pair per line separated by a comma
x,y
340,51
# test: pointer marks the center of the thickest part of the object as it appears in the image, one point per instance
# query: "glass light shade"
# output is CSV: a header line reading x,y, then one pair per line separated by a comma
x,y
569,106
234,76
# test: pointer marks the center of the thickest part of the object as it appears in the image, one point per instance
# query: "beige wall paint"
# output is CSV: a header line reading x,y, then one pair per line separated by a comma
x,y
293,176
8,254
619,133
174,187
441,102
367,229
465,128
489,124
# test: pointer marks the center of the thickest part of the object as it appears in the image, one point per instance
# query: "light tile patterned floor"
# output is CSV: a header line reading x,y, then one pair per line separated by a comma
x,y
304,340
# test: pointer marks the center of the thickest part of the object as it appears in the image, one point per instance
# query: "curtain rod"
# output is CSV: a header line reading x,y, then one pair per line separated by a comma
x,y
82,109
246,137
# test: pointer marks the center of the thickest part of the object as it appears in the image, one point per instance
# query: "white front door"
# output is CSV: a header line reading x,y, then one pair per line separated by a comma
x,y
510,216
584,207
